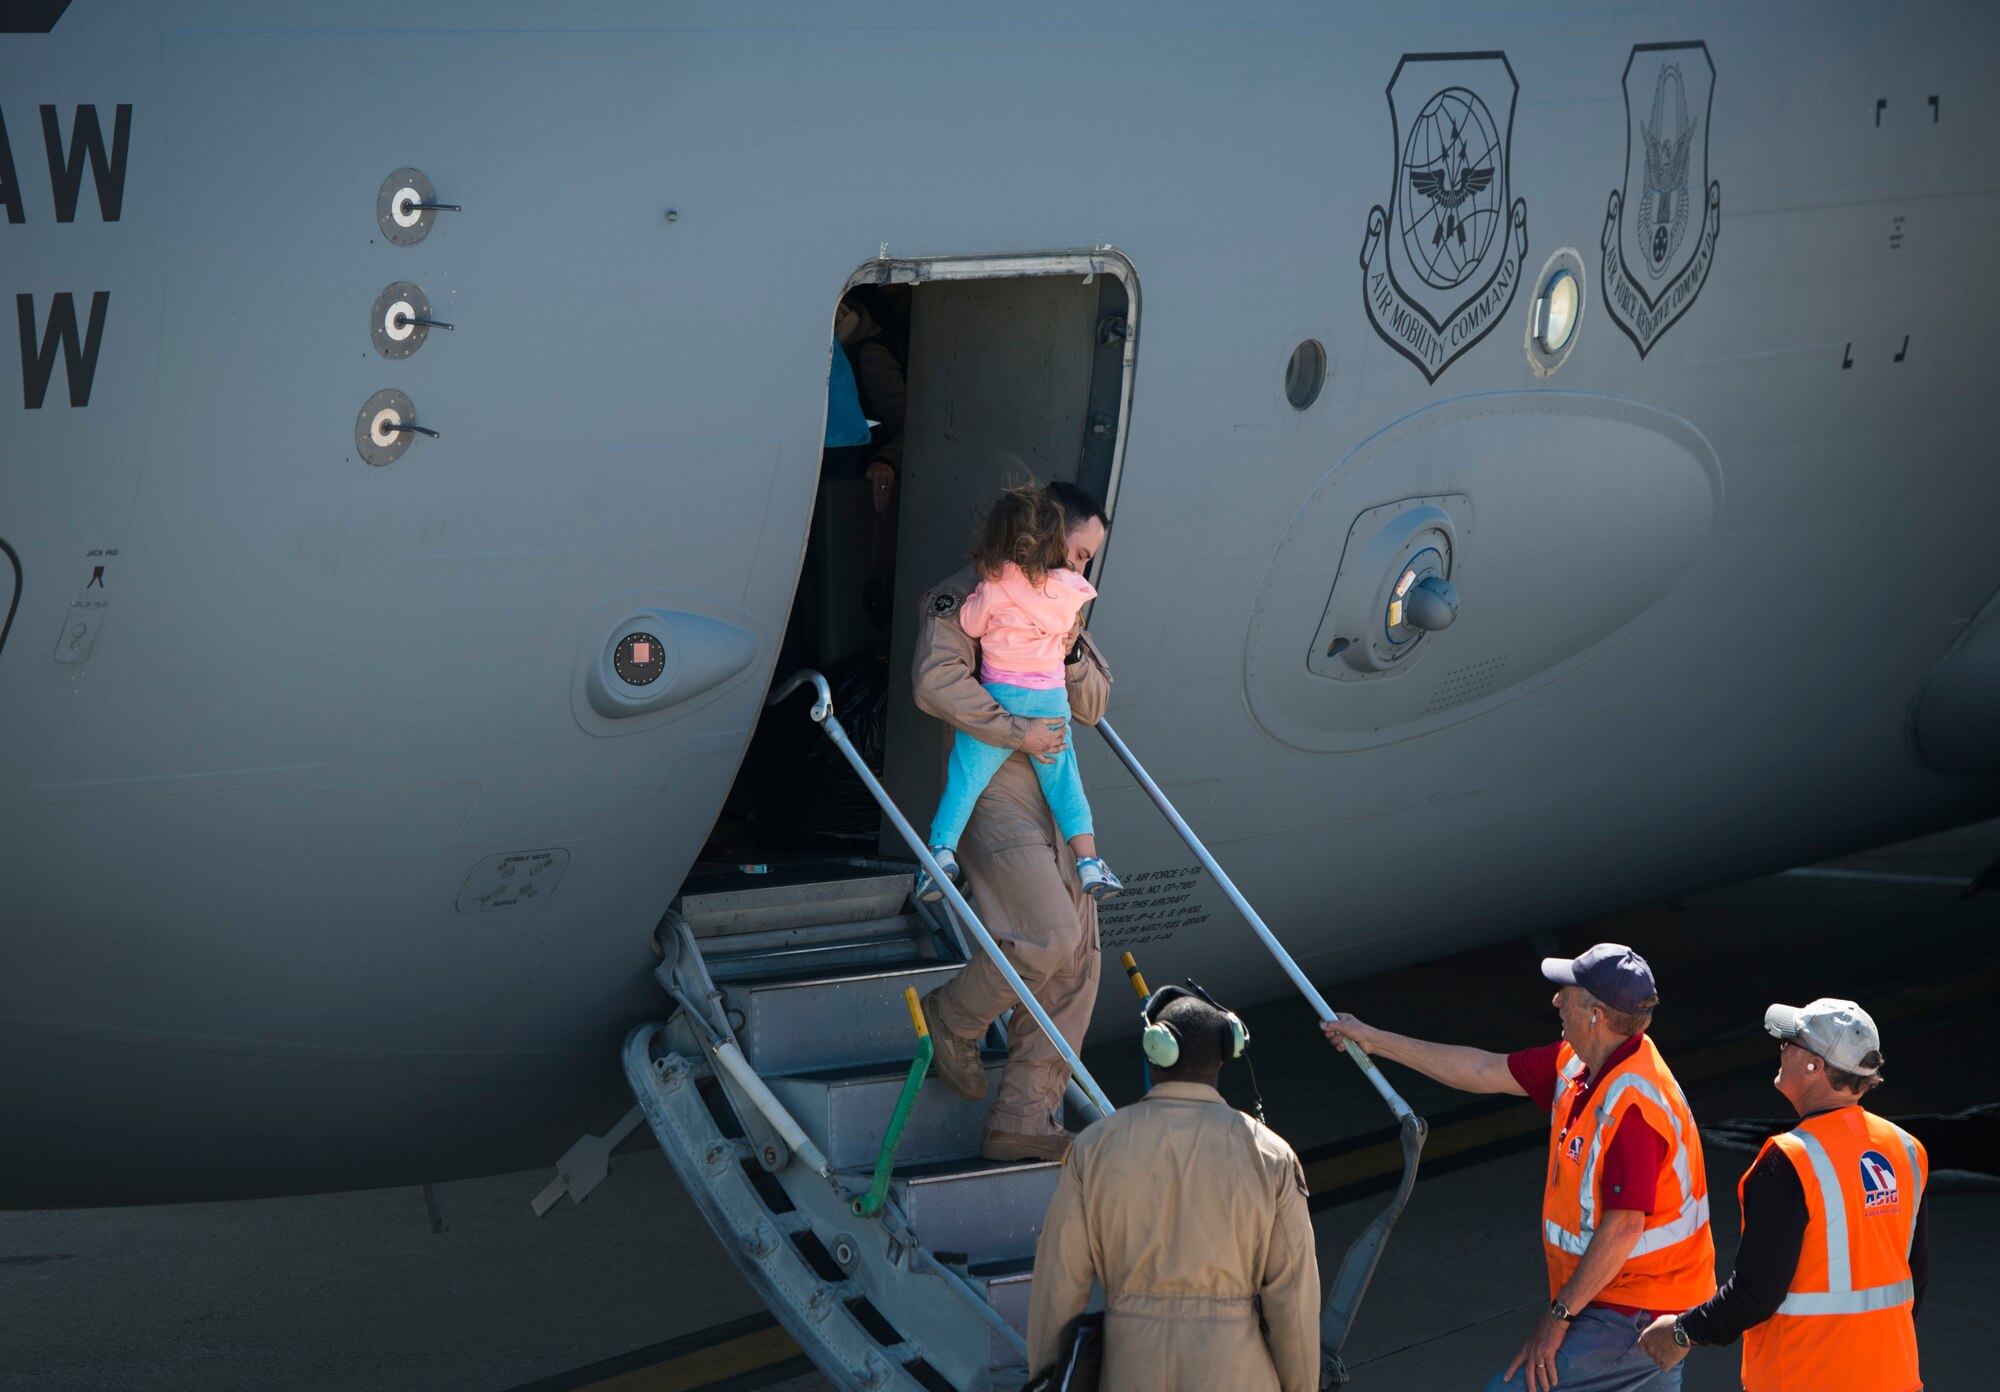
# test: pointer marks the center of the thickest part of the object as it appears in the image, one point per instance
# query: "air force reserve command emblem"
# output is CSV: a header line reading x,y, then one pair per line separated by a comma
x,y
1441,262
1659,232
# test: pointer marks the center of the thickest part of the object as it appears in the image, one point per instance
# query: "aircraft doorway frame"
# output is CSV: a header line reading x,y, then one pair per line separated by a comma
x,y
1104,260
1098,465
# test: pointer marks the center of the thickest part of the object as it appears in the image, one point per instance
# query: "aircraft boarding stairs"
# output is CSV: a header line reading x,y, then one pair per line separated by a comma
x,y
786,1090
930,1291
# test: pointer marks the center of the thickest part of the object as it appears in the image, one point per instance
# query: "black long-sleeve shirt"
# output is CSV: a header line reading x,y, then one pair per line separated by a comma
x,y
1774,1228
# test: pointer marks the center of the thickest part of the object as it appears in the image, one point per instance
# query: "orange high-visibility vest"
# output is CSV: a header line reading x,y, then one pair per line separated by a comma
x,y
1673,1265
1846,1321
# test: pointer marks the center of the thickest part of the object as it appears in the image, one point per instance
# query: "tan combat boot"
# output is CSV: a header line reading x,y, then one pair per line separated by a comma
x,y
1014,1145
955,1060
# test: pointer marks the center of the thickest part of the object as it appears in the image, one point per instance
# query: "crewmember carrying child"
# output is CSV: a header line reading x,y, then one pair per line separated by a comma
x,y
1025,613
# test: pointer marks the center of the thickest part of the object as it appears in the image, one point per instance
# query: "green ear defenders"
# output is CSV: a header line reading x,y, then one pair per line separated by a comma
x,y
1162,1042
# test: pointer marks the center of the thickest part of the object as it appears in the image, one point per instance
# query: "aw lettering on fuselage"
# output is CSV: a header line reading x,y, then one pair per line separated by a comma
x,y
44,335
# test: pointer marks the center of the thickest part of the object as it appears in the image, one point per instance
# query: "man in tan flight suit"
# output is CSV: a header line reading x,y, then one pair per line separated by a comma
x,y
1021,871
1190,1215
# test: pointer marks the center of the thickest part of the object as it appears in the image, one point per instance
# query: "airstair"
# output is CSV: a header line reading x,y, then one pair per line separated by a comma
x,y
786,1089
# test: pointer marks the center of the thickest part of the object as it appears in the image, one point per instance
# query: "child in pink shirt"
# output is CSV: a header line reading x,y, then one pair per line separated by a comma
x,y
1026,613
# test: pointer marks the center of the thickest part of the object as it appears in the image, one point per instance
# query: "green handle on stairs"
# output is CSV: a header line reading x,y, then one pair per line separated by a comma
x,y
878,1190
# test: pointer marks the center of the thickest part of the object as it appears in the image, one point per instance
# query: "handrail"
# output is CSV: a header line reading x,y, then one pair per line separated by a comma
x,y
822,714
1357,1265
1277,949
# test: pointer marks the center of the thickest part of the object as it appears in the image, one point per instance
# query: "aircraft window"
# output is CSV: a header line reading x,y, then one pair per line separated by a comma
x,y
1556,312
1556,320
1305,374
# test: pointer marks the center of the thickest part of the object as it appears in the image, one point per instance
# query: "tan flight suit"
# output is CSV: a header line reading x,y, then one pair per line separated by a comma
x,y
1184,1210
1021,871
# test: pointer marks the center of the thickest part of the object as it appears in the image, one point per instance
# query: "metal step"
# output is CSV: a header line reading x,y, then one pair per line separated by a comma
x,y
810,1023
890,926
846,1112
765,908
822,951
1007,1286
990,1211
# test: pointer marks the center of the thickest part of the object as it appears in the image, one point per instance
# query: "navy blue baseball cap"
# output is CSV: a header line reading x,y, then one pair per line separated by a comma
x,y
1612,972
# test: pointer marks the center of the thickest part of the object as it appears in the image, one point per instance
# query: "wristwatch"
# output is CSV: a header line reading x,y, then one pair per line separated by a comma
x,y
1558,1310
1681,1335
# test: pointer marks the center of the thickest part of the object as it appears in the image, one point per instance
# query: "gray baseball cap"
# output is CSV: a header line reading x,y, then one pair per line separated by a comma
x,y
1839,1031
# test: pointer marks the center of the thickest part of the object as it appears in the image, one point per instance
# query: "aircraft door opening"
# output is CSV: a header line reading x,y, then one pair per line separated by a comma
x,y
972,374
1010,379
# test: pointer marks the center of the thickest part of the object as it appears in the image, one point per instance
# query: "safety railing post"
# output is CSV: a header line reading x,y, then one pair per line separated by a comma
x,y
1250,915
1357,1267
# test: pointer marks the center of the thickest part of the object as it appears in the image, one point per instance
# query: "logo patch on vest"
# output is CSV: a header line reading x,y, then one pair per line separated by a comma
x,y
1574,1150
1879,1191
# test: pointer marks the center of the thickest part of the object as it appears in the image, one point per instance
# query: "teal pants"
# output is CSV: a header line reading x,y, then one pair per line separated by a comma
x,y
974,762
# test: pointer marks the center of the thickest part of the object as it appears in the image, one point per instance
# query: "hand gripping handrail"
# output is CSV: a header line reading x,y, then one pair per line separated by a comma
x,y
1357,1267
822,714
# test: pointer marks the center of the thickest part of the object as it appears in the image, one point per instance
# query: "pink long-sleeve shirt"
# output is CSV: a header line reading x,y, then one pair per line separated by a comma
x,y
1023,630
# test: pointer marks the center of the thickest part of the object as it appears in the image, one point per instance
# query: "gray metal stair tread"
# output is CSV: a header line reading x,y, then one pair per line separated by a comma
x,y
716,914
875,1072
1004,1269
817,959
796,1022
980,1207
935,1170
886,928
780,872
872,972
846,1109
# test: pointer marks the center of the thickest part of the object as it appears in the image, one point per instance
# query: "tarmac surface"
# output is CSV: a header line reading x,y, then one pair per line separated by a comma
x,y
465,1291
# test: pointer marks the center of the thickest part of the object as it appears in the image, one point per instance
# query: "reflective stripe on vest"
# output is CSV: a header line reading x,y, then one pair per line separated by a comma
x,y
1849,1302
1840,1297
1693,1214
1916,1178
1694,1210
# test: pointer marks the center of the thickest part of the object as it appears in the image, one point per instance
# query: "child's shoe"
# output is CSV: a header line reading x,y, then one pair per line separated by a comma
x,y
928,889
1098,881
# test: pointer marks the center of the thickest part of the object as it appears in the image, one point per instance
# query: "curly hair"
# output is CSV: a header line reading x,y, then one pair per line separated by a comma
x,y
1024,526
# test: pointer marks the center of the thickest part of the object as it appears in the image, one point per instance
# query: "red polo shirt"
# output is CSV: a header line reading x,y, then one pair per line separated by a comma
x,y
1630,1169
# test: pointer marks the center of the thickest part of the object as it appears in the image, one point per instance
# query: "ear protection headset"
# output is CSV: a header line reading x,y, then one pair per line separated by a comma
x,y
1161,1042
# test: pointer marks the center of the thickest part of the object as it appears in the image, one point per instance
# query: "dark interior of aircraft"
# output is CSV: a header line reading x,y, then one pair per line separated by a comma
x,y
941,394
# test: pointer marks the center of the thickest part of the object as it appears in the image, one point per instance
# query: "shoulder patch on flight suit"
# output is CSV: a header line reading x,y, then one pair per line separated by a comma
x,y
1299,1176
944,603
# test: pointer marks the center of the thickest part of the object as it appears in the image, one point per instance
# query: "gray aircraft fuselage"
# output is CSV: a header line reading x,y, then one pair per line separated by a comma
x,y
283,730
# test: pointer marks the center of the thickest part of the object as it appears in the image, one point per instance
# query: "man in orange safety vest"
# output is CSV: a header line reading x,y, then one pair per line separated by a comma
x,y
1835,1250
1625,1194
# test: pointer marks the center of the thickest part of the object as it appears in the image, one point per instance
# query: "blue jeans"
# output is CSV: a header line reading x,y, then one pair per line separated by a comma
x,y
1601,1354
974,762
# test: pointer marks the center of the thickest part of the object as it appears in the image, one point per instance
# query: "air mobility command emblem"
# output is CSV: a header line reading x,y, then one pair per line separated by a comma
x,y
1441,262
1659,232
